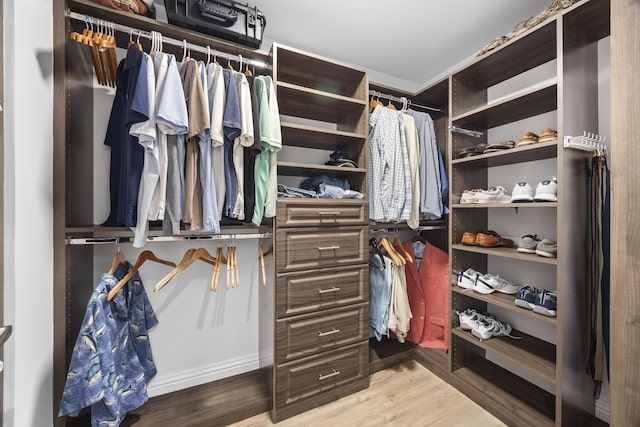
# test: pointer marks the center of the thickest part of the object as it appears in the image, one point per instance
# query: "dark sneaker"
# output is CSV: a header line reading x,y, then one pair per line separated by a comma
x,y
526,297
546,303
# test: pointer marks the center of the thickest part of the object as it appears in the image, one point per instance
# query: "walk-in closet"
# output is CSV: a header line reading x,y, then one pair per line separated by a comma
x,y
304,226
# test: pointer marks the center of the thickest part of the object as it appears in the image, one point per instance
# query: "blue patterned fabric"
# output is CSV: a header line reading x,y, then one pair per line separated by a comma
x,y
112,361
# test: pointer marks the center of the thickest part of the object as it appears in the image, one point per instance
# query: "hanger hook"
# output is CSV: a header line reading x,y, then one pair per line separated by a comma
x,y
117,244
208,55
240,66
184,49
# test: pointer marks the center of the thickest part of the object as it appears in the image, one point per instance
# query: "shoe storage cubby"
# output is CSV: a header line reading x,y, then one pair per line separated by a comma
x,y
544,78
324,107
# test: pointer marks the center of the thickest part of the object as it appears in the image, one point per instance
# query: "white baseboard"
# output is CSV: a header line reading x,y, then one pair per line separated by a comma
x,y
163,384
602,410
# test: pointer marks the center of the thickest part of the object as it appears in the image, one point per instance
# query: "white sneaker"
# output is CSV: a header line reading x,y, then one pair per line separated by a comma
x,y
469,196
522,192
467,278
546,191
470,316
489,328
496,194
488,283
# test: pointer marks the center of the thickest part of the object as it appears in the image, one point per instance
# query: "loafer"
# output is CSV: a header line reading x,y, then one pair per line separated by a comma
x,y
548,135
471,238
528,138
492,241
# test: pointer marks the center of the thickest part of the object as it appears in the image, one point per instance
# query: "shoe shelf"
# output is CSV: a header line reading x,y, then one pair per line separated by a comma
x,y
528,153
505,205
512,399
531,356
536,100
505,253
503,301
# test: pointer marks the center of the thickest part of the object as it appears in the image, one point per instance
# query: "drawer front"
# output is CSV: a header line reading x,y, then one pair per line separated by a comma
x,y
315,376
304,292
309,334
314,213
309,248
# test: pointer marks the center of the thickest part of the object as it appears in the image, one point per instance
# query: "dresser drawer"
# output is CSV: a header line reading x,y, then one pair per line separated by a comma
x,y
333,372
309,334
319,213
309,248
313,290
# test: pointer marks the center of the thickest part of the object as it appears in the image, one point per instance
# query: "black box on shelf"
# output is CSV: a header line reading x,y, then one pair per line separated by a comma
x,y
227,19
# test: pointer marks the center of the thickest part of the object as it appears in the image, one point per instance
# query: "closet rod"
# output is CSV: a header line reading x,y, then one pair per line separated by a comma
x,y
396,228
402,99
108,240
90,20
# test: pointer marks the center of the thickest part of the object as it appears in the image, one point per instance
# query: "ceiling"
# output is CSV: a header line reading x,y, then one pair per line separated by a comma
x,y
405,44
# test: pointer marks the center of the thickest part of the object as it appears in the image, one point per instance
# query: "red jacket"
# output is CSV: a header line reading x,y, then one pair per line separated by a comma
x,y
428,290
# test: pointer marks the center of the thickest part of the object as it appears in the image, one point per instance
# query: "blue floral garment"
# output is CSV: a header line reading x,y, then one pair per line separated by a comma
x,y
106,372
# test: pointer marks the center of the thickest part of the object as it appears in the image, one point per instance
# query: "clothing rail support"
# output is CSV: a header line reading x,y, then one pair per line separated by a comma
x,y
187,237
410,103
90,20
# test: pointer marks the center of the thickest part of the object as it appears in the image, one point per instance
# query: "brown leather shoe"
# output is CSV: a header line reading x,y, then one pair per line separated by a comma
x,y
492,241
471,238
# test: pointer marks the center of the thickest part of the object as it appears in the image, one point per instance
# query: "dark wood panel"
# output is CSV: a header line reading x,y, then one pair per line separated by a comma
x,y
316,375
298,213
435,360
310,334
314,290
513,400
593,17
534,101
531,356
314,247
388,353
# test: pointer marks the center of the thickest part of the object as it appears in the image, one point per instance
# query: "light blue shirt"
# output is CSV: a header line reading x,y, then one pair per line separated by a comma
x,y
379,294
210,215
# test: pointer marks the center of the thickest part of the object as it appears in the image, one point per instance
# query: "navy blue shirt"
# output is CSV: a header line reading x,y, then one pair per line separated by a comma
x,y
232,128
130,105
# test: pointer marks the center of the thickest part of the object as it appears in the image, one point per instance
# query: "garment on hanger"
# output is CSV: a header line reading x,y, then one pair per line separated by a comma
x,y
400,313
250,155
243,140
232,129
413,155
380,282
428,293
112,361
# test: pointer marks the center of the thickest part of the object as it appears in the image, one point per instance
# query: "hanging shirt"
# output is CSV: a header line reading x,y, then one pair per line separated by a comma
x,y
216,97
105,372
232,126
210,218
379,294
413,155
388,178
147,137
245,139
171,120
198,121
399,309
130,106
250,154
275,145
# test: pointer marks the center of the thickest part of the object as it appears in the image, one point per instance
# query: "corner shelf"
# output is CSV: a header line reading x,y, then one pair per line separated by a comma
x,y
505,253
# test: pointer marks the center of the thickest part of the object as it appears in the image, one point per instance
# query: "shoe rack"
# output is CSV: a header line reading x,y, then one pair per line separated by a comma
x,y
536,380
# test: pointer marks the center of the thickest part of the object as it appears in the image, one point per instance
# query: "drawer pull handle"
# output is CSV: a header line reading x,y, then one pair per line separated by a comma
x,y
332,374
329,213
328,248
326,291
331,332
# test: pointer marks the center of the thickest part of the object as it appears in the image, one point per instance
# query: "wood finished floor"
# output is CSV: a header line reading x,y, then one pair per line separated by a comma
x,y
407,395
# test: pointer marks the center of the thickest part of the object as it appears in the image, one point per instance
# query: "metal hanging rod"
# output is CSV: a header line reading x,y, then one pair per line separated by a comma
x,y
189,237
468,132
402,99
134,32
587,142
385,228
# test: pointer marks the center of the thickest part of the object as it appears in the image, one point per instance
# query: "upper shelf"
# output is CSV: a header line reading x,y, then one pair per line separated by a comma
x,y
534,100
302,69
591,16
528,153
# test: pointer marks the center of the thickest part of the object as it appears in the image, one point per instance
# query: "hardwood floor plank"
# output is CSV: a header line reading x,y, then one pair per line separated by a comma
x,y
405,395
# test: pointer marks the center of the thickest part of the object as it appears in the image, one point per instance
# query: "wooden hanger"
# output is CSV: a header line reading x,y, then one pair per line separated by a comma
x,y
391,106
386,244
118,258
373,243
262,269
142,258
216,269
190,256
397,244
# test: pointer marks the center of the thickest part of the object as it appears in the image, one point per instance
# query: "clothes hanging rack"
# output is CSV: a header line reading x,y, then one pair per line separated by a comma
x,y
117,240
385,228
90,20
403,100
587,142
464,131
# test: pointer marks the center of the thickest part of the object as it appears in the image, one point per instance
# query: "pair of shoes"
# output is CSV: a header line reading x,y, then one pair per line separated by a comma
x,y
497,194
469,196
493,241
546,191
488,328
540,301
531,244
499,146
471,151
528,137
470,317
470,238
489,283
467,278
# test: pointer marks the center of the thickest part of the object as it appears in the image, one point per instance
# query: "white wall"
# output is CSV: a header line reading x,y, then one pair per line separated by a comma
x,y
28,226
